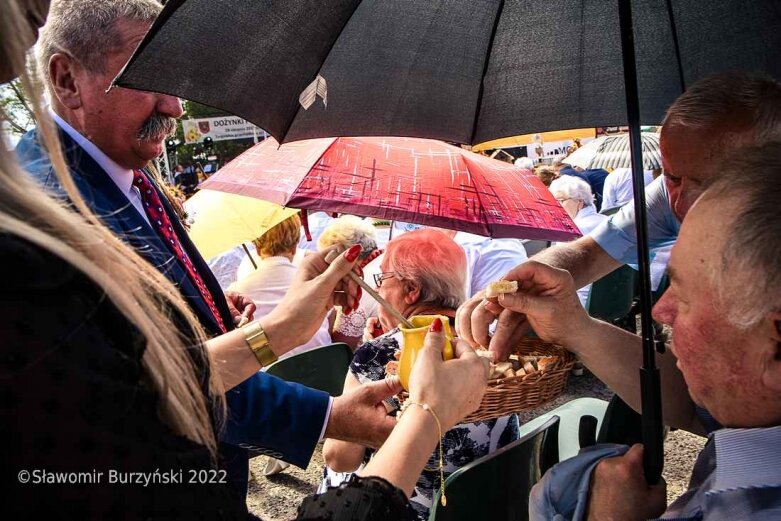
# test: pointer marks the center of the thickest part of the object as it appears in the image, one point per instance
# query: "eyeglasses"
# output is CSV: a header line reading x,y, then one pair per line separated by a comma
x,y
563,200
379,277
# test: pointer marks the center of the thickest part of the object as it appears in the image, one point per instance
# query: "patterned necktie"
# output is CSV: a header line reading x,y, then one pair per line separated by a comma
x,y
160,222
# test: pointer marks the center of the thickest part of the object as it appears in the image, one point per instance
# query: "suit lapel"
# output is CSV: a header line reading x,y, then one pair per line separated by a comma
x,y
113,208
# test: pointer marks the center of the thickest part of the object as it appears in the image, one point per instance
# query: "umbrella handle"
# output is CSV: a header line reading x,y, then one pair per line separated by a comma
x,y
653,429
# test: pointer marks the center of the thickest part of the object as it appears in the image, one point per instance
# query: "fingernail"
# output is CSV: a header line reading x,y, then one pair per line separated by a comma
x,y
353,252
436,326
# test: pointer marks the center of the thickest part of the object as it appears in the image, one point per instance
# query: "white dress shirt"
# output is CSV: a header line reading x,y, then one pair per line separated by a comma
x,y
488,259
618,189
267,286
122,177
586,220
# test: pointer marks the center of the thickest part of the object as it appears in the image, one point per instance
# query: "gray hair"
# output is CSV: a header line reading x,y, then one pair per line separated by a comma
x,y
85,30
525,162
748,279
745,97
346,231
573,188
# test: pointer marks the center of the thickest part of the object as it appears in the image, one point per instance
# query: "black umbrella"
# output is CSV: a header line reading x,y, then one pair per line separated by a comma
x,y
458,70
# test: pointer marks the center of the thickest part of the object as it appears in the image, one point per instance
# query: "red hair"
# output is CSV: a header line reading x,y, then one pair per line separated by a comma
x,y
433,261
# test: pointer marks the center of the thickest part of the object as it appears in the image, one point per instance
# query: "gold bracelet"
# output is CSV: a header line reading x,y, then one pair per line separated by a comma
x,y
258,342
427,407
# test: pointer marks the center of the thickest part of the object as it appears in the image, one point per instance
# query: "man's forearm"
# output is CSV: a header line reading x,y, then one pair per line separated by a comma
x,y
584,259
615,355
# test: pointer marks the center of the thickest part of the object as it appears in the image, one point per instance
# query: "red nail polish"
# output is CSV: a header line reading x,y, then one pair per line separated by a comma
x,y
436,326
353,252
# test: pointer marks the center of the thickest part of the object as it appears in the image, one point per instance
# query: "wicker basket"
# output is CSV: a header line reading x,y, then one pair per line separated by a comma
x,y
523,393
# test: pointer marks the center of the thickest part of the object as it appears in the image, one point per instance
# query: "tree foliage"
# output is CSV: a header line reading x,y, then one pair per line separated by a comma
x,y
16,108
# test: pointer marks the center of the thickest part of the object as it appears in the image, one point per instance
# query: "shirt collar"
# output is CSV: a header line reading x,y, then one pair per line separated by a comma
x,y
122,177
587,211
276,261
747,458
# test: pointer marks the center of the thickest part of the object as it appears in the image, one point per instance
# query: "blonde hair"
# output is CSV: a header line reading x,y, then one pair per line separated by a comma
x,y
142,294
346,231
282,238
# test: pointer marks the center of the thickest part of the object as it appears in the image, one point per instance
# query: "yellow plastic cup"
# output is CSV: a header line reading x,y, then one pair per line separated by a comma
x,y
413,343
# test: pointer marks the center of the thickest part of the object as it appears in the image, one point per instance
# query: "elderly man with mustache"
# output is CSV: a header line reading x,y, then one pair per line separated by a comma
x,y
109,135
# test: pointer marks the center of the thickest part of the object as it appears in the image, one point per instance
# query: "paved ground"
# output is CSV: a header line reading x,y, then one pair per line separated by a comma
x,y
276,498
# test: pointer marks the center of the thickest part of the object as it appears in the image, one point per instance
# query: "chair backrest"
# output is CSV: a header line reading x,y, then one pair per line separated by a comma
x,y
497,486
322,368
533,247
570,415
611,296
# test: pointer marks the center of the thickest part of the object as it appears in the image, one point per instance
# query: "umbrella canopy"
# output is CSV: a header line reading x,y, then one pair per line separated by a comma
x,y
223,221
611,152
463,71
544,137
404,179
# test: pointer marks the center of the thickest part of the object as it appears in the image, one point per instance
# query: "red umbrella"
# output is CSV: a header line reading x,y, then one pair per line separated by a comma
x,y
403,179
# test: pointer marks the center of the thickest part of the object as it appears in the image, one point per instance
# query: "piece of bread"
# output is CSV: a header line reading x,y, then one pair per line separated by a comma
x,y
509,373
528,367
392,368
503,366
547,362
498,287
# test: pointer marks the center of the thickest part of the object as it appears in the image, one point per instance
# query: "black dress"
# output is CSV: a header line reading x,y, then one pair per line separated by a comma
x,y
75,406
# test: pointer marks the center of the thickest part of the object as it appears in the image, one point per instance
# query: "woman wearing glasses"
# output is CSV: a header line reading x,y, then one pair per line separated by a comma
x,y
423,273
576,198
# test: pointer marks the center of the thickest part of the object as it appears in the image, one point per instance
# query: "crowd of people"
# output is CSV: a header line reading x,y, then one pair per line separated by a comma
x,y
132,371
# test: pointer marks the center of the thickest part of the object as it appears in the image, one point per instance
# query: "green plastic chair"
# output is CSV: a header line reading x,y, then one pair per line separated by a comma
x,y
611,297
322,368
497,486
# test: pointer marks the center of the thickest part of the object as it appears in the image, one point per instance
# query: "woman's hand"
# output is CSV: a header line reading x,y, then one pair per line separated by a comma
x,y
316,289
372,330
454,389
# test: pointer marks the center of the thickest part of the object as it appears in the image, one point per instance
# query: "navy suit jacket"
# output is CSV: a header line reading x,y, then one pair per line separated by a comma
x,y
265,414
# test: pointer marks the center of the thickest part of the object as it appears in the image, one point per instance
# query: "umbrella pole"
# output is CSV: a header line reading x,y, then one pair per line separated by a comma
x,y
254,265
653,440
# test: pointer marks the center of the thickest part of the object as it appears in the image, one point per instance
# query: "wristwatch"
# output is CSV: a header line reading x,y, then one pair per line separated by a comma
x,y
258,342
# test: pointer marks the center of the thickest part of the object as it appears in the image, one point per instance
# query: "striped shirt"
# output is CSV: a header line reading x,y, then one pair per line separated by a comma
x,y
737,476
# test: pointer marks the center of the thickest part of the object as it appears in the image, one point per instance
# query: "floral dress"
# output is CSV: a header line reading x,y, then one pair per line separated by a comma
x,y
461,445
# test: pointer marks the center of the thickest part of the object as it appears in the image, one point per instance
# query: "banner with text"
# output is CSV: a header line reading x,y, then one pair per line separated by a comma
x,y
219,129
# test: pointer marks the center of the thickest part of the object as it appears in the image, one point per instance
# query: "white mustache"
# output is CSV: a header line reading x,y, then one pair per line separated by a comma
x,y
157,128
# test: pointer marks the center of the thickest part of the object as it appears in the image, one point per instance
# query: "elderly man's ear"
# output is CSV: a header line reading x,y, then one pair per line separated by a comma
x,y
772,376
64,80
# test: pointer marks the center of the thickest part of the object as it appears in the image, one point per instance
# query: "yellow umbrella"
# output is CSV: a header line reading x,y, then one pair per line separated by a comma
x,y
222,221
528,139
